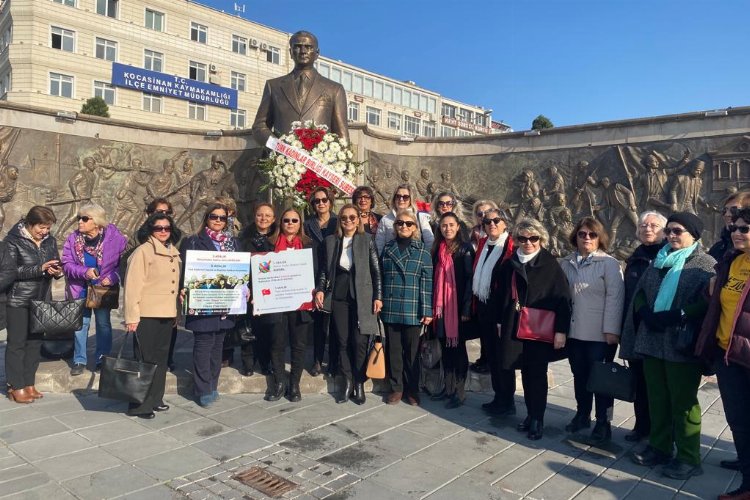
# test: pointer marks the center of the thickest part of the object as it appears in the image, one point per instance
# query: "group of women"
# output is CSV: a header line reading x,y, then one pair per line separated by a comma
x,y
675,313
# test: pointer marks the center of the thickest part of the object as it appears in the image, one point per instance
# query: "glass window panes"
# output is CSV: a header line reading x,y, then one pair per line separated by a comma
x,y
422,102
60,85
352,112
447,131
154,20
237,118
273,55
237,81
411,125
151,103
72,3
153,60
357,84
415,100
336,75
324,70
107,8
431,104
406,98
106,49
373,116
239,44
198,32
377,92
197,71
449,111
196,111
62,39
105,91
397,96
368,87
394,121
388,93
428,129
347,81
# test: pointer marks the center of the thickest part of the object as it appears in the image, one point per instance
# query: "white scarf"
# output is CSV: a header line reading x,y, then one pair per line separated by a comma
x,y
524,258
480,284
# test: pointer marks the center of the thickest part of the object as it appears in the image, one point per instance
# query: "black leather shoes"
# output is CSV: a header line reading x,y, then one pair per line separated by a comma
x,y
294,393
579,422
359,393
536,429
498,410
315,370
275,392
247,372
677,469
602,433
161,408
730,464
454,402
344,396
147,416
524,426
634,436
649,457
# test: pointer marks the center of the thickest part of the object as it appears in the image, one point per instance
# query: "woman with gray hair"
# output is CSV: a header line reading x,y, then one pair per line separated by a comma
x,y
650,233
91,256
539,283
403,198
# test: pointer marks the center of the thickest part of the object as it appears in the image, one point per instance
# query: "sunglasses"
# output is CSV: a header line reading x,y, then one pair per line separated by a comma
x,y
445,203
742,229
290,221
350,218
526,239
402,197
84,218
591,234
480,213
495,221
165,212
407,223
320,201
161,229
730,210
677,231
222,218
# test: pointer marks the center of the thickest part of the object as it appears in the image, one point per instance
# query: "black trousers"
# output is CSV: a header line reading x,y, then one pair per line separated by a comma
x,y
640,405
290,330
320,336
207,354
154,335
22,354
733,383
503,380
352,353
402,363
534,363
455,367
259,350
582,355
172,342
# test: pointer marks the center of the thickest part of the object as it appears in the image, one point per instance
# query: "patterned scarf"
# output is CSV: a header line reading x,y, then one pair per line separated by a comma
x,y
283,244
80,246
225,240
444,300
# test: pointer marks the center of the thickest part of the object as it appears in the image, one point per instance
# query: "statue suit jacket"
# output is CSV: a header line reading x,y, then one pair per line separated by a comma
x,y
325,104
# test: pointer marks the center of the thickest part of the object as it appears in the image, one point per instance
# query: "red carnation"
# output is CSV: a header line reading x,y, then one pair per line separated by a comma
x,y
309,137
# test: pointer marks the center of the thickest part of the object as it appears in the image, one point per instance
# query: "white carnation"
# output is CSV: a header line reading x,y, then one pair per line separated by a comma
x,y
329,138
280,160
341,155
323,146
335,147
329,156
296,143
349,154
291,182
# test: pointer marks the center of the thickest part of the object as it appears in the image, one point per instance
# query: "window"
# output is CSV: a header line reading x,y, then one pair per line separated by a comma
x,y
105,91
336,75
238,81
60,85
353,112
357,85
106,49
198,32
62,39
5,84
197,71
431,103
394,121
373,116
347,81
388,93
447,131
368,87
151,103
397,96
107,8
465,115
154,20
428,130
406,98
480,119
196,111
411,125
72,3
448,110
153,60
422,102
237,118
378,92
273,55
6,38
239,45
324,69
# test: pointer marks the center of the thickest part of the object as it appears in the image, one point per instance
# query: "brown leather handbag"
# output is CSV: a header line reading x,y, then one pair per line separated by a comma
x,y
533,324
102,297
376,359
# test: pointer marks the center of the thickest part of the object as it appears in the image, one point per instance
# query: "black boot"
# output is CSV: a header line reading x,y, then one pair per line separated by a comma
x,y
294,393
536,429
579,422
344,396
525,425
359,393
275,392
602,433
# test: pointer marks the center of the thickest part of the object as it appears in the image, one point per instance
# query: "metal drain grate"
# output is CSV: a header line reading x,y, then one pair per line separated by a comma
x,y
266,482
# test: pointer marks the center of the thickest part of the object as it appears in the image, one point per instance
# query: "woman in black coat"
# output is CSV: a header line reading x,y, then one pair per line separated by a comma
x,y
33,253
540,283
350,288
208,331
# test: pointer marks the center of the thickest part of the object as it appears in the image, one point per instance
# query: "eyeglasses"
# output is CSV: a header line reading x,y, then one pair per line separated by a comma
x,y
742,229
222,218
290,221
407,223
161,229
84,218
402,197
320,201
730,210
165,212
364,197
677,231
496,221
526,239
650,226
350,218
591,234
445,203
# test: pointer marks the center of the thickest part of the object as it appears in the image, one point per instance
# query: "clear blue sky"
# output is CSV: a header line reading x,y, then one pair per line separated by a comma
x,y
575,61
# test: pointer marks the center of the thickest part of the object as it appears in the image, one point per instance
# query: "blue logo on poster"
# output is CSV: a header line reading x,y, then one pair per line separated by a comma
x,y
178,87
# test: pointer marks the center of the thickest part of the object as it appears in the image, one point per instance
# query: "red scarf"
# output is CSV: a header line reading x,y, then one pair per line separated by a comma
x,y
283,244
445,302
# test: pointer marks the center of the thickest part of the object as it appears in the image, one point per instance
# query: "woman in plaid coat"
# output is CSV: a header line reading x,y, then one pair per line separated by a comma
x,y
407,304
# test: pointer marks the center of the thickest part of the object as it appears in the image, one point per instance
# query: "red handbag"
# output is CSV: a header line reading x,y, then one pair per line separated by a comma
x,y
533,324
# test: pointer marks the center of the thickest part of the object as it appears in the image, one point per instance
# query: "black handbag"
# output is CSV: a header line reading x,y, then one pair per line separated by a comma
x,y
56,319
125,379
242,333
685,340
612,379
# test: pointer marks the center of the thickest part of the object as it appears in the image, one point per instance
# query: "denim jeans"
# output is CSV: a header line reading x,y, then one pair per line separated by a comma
x,y
103,335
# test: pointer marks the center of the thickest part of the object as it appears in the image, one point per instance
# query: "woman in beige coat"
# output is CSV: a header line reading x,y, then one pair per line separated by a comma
x,y
151,290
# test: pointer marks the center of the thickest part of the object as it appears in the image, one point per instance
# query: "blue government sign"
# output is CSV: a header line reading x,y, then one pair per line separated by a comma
x,y
178,87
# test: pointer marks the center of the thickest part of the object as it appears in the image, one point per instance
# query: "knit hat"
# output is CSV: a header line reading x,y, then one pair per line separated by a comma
x,y
691,222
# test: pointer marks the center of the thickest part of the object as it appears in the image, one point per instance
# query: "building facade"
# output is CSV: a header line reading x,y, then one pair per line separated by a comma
x,y
155,61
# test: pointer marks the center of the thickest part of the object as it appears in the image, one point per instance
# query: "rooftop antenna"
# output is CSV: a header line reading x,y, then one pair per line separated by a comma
x,y
239,8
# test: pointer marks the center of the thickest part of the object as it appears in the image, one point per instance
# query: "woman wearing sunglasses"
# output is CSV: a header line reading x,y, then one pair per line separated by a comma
x,y
598,292
670,304
443,203
724,343
151,304
732,205
91,255
321,225
403,199
350,288
407,305
208,331
364,199
540,283
292,327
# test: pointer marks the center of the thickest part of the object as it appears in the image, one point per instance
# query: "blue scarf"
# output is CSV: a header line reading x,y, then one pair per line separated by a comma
x,y
675,261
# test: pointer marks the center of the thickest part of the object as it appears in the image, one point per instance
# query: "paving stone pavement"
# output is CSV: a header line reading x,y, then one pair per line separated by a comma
x,y
77,445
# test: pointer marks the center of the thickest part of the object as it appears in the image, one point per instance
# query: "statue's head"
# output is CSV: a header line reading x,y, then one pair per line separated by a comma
x,y
446,176
605,182
560,199
89,163
12,173
582,165
303,47
698,167
136,163
168,166
217,162
405,175
425,173
552,171
651,161
187,166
